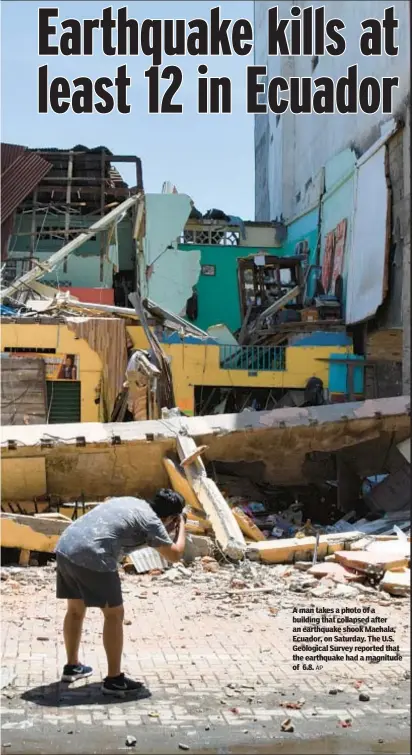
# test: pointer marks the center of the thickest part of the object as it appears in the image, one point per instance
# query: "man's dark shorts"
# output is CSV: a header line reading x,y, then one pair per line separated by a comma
x,y
96,589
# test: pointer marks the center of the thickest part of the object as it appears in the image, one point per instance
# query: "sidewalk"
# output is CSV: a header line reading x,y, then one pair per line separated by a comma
x,y
218,671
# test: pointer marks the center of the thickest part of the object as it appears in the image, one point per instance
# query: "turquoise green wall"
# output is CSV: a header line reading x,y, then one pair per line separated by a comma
x,y
83,265
301,229
218,295
305,227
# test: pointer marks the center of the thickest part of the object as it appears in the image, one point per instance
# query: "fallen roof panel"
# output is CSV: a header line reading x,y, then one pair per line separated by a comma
x,y
22,171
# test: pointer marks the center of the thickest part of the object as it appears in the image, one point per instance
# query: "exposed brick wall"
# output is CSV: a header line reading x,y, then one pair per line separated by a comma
x,y
396,310
384,380
390,314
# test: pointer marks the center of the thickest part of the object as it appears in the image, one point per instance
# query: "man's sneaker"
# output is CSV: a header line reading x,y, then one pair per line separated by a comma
x,y
120,685
72,673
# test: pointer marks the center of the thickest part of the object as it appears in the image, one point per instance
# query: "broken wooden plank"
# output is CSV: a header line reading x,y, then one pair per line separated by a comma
x,y
287,550
227,531
243,329
279,304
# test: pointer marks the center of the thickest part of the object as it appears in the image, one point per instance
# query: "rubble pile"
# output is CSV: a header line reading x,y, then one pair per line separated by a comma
x,y
298,534
245,586
343,556
379,572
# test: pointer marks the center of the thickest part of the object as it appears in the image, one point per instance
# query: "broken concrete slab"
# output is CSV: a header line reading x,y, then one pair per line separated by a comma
x,y
287,550
396,582
335,571
30,533
280,439
226,529
390,548
197,546
361,560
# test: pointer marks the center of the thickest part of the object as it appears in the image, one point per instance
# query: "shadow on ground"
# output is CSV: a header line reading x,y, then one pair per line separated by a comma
x,y
60,694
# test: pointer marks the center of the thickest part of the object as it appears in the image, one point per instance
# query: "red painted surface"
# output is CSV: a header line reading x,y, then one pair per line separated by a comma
x,y
340,238
328,261
92,295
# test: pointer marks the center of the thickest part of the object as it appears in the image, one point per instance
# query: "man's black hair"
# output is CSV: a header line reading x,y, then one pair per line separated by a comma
x,y
167,503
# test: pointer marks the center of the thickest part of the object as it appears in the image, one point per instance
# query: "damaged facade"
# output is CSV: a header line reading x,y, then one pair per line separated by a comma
x,y
226,358
237,340
320,173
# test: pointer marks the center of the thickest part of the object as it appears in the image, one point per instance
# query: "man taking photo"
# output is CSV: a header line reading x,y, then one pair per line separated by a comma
x,y
87,557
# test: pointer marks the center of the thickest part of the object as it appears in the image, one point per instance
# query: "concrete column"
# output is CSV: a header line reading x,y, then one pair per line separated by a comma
x,y
406,286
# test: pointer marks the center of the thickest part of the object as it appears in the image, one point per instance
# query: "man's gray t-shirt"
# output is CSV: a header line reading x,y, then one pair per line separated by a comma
x,y
107,533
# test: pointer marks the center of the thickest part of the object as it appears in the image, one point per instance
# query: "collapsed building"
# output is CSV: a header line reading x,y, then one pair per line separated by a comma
x,y
150,335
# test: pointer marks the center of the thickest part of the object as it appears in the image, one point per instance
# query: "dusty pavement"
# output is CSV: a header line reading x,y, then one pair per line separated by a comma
x,y
215,652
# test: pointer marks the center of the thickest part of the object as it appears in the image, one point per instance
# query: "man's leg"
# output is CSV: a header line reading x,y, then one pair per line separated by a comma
x,y
113,639
72,630
116,683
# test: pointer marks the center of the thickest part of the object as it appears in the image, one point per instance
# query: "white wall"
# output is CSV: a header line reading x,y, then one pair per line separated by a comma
x,y
299,145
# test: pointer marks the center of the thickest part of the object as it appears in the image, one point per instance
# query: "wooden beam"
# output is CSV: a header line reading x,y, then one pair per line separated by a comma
x,y
279,304
226,529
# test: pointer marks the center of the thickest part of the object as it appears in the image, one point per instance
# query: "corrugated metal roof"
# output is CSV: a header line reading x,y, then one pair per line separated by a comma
x,y
10,153
146,558
21,171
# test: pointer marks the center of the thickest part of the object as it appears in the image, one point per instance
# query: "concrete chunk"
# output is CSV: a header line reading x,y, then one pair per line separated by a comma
x,y
226,529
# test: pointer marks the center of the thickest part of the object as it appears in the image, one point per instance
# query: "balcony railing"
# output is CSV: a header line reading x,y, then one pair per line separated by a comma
x,y
253,358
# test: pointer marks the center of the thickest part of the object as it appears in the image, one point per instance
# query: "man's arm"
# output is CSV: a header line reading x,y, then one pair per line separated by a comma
x,y
174,552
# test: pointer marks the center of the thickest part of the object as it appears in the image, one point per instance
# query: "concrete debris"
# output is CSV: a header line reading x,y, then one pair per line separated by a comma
x,y
396,582
293,705
130,741
344,591
361,560
335,571
226,529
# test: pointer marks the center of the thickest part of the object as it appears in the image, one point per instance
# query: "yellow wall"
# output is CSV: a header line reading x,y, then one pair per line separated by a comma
x,y
191,365
62,339
194,365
